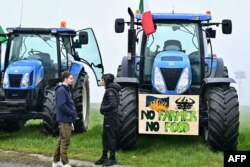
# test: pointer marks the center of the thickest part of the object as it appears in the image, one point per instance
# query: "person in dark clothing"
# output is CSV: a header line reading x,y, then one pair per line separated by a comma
x,y
109,108
65,116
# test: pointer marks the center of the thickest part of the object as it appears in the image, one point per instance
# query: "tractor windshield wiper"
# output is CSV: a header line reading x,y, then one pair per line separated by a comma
x,y
43,39
188,31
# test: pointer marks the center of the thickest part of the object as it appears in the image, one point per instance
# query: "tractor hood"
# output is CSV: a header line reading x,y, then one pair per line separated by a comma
x,y
23,74
171,72
23,66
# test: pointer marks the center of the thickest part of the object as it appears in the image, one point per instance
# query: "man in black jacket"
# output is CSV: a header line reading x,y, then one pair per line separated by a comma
x,y
109,109
65,116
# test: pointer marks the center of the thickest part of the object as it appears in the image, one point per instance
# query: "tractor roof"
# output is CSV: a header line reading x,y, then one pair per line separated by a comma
x,y
178,16
41,30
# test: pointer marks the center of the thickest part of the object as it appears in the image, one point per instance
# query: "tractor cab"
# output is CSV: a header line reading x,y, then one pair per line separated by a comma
x,y
49,52
172,52
176,57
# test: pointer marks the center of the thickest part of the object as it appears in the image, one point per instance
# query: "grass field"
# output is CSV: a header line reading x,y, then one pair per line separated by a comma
x,y
153,150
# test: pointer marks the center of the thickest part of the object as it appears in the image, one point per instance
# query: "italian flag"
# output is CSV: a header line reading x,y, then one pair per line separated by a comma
x,y
147,18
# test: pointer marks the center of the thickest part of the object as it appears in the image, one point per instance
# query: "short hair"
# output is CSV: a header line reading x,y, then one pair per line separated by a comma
x,y
65,75
108,78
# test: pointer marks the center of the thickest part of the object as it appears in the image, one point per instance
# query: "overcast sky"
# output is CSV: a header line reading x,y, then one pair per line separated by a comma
x,y
100,15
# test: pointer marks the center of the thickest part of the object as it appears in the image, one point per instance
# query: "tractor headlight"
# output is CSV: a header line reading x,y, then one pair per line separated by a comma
x,y
25,81
159,81
183,82
6,80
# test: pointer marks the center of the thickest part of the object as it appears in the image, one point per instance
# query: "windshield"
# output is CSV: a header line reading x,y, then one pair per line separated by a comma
x,y
182,37
34,46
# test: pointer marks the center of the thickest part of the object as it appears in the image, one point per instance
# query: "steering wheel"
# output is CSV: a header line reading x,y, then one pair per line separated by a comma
x,y
34,54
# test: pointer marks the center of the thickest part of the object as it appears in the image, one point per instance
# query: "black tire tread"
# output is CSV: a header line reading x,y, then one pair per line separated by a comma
x,y
50,126
128,118
77,94
223,118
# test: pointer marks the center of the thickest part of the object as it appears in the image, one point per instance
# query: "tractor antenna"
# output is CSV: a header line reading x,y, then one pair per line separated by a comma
x,y
173,9
21,17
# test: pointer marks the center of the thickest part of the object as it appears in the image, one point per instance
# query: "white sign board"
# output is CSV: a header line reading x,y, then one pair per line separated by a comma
x,y
168,114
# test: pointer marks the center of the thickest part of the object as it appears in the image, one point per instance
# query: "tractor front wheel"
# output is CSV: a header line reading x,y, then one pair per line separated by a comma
x,y
127,112
222,130
50,126
81,100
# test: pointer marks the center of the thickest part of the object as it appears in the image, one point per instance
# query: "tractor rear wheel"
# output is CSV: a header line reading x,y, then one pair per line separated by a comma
x,y
50,126
81,100
222,130
128,119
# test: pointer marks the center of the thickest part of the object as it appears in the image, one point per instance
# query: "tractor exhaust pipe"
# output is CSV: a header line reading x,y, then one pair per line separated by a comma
x,y
131,44
132,19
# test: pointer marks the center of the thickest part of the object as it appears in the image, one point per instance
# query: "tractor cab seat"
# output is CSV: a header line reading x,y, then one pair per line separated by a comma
x,y
172,45
49,73
46,61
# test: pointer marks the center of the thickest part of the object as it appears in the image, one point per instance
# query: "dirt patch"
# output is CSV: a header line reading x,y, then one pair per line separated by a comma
x,y
17,157
37,160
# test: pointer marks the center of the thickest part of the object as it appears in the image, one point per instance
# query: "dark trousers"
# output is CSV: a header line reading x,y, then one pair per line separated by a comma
x,y
109,135
63,143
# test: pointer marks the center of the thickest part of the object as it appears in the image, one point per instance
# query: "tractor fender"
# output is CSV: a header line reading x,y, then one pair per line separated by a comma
x,y
123,70
219,68
128,81
75,69
124,67
214,81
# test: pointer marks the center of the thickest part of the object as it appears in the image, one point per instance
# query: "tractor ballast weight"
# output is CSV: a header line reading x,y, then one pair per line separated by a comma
x,y
33,63
173,84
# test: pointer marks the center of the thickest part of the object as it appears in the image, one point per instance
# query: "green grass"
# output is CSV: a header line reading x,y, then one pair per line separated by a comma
x,y
244,137
153,150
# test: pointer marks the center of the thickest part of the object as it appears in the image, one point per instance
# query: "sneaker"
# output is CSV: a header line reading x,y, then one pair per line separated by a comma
x,y
101,161
67,165
110,162
57,164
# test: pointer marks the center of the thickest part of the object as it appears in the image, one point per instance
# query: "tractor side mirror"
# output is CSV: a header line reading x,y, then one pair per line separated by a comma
x,y
119,25
226,26
83,38
210,33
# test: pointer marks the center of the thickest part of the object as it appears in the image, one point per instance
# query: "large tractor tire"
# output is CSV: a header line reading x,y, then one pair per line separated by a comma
x,y
50,126
222,130
81,99
128,118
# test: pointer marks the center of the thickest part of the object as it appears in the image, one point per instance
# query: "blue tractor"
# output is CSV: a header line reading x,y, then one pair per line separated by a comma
x,y
167,73
33,63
